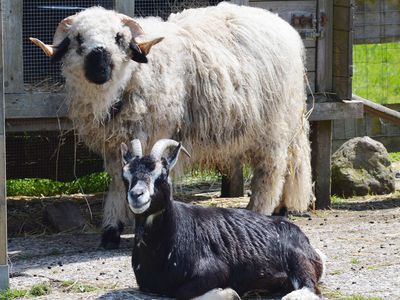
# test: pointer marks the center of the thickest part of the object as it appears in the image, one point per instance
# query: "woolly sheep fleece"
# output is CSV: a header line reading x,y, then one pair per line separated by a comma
x,y
228,81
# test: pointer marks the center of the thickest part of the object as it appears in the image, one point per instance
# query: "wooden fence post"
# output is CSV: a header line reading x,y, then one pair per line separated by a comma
x,y
321,145
4,279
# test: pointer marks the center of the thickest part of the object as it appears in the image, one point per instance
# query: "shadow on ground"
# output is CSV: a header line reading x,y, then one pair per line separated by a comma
x,y
369,205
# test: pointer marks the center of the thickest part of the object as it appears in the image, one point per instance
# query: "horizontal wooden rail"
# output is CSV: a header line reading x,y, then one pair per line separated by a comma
x,y
379,110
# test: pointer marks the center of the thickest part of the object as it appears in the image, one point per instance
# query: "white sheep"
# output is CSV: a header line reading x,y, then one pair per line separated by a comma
x,y
226,80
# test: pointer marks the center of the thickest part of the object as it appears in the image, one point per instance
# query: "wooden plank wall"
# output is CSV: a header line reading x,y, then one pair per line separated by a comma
x,y
376,128
342,50
376,21
285,10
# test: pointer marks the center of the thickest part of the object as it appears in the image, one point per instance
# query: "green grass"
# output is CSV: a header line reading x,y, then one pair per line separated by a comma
x,y
10,294
394,156
39,290
376,73
77,287
93,183
36,290
355,261
338,295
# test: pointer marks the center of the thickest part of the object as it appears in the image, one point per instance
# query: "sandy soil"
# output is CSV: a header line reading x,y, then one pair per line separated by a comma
x,y
361,239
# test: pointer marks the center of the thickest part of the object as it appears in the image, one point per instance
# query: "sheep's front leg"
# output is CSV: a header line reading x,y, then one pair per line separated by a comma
x,y
116,210
219,294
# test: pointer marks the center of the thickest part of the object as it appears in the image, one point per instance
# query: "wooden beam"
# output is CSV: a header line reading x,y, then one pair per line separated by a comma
x,y
321,144
35,105
12,36
336,110
4,277
125,7
379,110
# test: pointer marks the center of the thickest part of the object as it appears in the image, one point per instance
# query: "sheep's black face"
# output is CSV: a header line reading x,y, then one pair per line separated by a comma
x,y
98,66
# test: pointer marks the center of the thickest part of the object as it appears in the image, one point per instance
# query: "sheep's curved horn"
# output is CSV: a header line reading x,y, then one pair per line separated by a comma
x,y
137,148
162,145
134,26
59,36
49,50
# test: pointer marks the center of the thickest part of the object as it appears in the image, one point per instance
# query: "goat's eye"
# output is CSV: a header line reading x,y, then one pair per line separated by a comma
x,y
79,39
119,38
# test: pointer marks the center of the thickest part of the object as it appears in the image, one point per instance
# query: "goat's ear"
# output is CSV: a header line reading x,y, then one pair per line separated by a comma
x,y
126,156
173,157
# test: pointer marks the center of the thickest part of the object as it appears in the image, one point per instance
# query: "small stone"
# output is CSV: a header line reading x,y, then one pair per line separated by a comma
x,y
49,267
102,273
60,263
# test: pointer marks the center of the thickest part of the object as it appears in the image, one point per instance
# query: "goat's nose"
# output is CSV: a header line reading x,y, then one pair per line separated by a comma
x,y
135,194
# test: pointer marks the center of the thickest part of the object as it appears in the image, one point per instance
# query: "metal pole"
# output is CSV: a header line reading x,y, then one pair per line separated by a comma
x,y
4,277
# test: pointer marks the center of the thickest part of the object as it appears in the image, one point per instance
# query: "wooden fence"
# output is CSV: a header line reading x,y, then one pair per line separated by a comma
x,y
377,128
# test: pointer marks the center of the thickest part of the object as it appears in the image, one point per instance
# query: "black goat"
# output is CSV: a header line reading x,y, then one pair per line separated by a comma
x,y
184,250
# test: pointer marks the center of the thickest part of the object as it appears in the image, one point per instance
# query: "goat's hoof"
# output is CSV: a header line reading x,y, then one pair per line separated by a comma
x,y
230,294
110,238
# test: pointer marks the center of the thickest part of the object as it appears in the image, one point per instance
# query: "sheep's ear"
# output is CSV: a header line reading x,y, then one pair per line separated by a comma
x,y
62,48
146,46
126,156
137,54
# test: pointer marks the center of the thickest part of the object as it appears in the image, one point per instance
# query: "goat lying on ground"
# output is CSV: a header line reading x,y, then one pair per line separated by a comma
x,y
227,80
184,251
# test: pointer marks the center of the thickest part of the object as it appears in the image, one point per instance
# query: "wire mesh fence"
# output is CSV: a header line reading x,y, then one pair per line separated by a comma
x,y
163,8
40,19
376,52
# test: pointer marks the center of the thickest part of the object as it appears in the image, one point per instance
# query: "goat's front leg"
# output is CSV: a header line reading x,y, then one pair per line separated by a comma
x,y
206,283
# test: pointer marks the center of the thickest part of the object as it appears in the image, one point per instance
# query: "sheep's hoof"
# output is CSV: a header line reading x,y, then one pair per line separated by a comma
x,y
110,238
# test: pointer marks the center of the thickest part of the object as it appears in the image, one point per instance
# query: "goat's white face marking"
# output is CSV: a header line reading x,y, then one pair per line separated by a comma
x,y
140,177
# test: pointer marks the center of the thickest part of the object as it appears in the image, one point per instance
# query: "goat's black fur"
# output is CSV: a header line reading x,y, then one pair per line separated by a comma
x,y
186,250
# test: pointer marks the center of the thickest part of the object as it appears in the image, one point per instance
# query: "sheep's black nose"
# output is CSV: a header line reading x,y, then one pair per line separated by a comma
x,y
98,65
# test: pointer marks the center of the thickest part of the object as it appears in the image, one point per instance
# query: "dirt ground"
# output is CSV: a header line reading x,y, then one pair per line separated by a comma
x,y
361,238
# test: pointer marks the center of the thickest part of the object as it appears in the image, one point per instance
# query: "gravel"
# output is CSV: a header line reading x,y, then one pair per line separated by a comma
x,y
361,240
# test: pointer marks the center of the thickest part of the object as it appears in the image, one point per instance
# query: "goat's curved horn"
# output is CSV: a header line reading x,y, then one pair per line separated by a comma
x,y
137,148
162,145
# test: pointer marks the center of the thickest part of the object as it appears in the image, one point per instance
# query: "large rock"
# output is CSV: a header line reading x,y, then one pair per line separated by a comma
x,y
361,166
